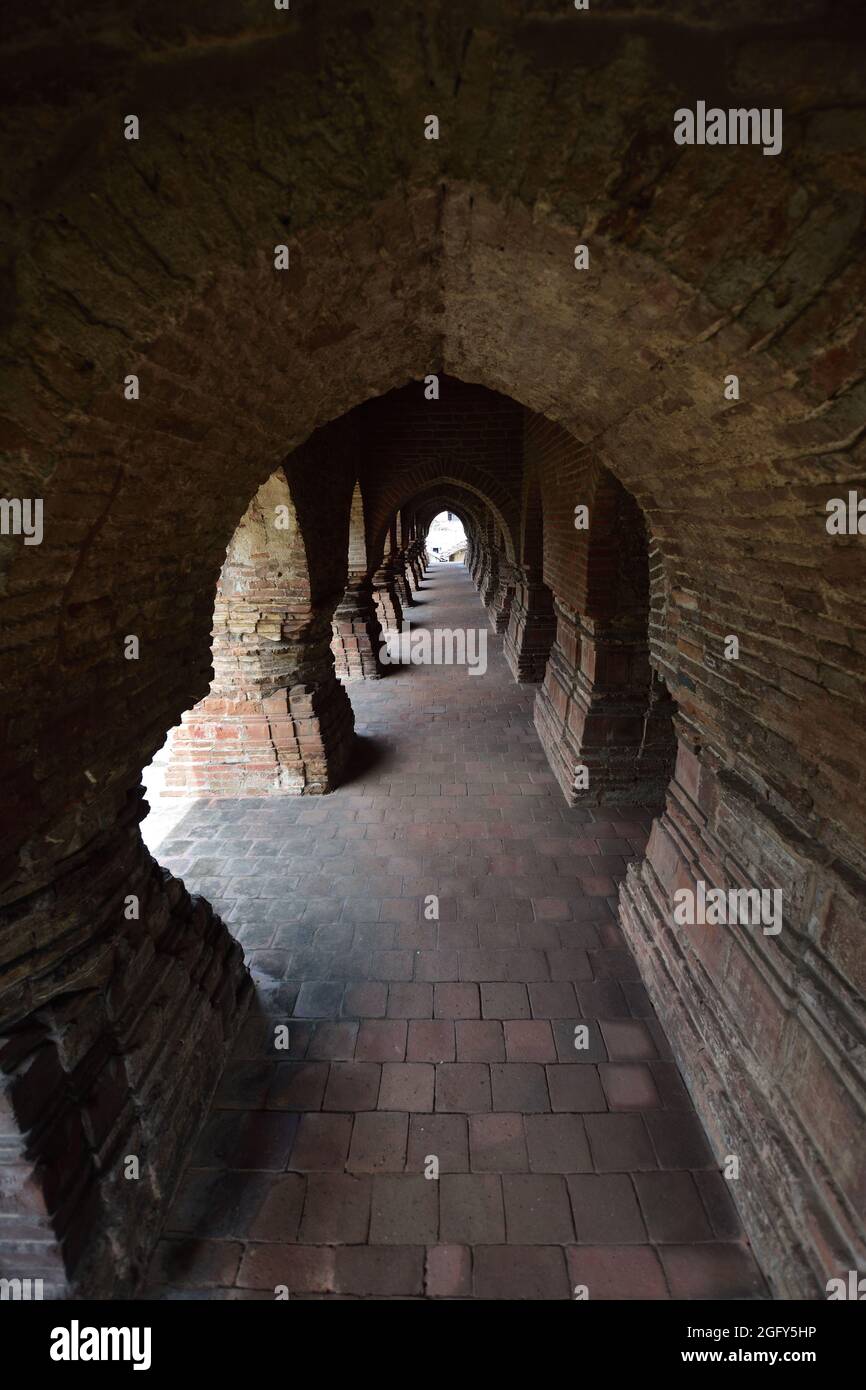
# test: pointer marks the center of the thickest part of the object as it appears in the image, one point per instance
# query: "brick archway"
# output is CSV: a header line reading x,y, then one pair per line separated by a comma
x,y
470,504
428,512
239,363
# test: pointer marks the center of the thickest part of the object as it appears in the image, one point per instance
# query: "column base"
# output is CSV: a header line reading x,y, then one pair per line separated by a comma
x,y
389,609
530,633
355,647
499,610
600,708
357,634
401,577
295,742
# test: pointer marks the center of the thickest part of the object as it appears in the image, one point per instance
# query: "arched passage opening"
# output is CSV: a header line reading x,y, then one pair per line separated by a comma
x,y
445,537
470,505
595,650
237,365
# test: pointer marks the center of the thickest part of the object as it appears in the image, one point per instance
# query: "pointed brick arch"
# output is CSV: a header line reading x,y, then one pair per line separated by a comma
x,y
497,574
447,494
472,488
160,262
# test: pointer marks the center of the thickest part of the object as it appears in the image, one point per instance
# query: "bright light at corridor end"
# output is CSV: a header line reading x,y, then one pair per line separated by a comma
x,y
446,538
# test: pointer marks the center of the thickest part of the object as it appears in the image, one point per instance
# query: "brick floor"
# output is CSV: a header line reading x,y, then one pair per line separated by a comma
x,y
561,1169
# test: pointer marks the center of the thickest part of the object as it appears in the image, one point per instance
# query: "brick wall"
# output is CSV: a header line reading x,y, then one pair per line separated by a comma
x,y
158,260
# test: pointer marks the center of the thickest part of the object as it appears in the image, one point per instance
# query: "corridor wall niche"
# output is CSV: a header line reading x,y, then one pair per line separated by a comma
x,y
227,295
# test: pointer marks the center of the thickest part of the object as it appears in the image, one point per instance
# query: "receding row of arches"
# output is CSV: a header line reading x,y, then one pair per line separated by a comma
x,y
294,625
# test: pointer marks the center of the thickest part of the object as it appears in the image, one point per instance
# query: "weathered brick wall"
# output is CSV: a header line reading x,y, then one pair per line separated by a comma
x,y
764,1026
157,259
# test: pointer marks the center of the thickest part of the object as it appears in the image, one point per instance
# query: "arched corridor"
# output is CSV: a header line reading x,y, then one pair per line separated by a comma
x,y
428,935
261,325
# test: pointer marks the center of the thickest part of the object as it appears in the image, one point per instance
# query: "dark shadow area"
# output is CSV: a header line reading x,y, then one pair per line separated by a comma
x,y
368,753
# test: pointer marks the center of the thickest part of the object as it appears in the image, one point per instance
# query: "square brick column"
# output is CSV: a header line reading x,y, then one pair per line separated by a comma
x,y
602,707
386,597
481,563
500,594
276,721
401,576
413,558
531,627
489,587
476,563
357,633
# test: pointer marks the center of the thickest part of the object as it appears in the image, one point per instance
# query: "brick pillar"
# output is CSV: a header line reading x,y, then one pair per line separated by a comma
x,y
386,596
760,1024
401,576
502,594
413,558
487,570
113,1049
531,626
478,564
296,739
276,720
475,567
602,707
357,632
490,580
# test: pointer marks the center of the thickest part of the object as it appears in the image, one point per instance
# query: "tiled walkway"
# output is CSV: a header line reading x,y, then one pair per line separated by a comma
x,y
454,1040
